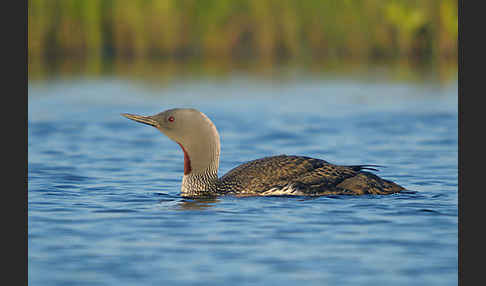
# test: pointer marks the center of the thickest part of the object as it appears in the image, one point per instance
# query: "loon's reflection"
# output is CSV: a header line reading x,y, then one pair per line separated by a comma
x,y
197,204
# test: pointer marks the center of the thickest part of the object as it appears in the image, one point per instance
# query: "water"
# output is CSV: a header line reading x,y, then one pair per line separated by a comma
x,y
103,191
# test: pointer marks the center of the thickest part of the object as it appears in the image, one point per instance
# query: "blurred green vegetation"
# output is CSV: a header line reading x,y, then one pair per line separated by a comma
x,y
165,39
243,29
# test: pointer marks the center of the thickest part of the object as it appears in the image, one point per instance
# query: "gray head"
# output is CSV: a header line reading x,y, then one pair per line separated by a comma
x,y
193,131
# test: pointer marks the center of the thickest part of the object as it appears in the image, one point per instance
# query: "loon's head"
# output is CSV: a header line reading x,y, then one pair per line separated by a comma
x,y
193,131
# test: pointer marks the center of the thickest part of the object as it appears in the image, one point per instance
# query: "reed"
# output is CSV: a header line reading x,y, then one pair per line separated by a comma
x,y
243,29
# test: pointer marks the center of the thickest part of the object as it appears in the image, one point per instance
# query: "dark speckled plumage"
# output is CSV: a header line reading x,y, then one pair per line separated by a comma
x,y
305,175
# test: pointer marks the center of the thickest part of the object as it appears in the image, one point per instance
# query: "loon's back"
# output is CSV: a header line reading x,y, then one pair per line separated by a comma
x,y
300,175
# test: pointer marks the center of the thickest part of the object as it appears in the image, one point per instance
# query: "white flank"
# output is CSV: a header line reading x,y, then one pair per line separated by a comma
x,y
287,190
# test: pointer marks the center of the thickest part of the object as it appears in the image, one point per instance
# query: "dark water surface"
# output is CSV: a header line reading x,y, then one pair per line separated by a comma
x,y
103,191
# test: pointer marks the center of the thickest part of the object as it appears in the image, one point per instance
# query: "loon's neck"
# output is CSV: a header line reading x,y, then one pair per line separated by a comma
x,y
201,159
199,184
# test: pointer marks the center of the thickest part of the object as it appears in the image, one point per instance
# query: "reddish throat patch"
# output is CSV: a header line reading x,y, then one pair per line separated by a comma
x,y
187,161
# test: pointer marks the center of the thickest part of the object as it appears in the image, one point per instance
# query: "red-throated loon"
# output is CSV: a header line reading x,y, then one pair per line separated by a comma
x,y
276,175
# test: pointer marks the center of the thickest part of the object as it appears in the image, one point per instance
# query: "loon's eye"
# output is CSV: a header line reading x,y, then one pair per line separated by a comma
x,y
171,119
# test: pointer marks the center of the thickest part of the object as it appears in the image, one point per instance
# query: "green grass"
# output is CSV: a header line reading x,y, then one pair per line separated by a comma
x,y
268,30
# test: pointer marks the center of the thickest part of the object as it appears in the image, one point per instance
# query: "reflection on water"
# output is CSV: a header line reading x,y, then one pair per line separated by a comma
x,y
196,204
158,72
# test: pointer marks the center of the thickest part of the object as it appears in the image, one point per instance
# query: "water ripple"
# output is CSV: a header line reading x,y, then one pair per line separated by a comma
x,y
105,207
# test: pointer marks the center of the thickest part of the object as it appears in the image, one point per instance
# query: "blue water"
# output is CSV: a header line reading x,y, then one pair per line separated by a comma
x,y
103,191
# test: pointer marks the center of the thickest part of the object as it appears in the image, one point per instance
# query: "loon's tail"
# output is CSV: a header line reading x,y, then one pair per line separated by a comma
x,y
365,167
